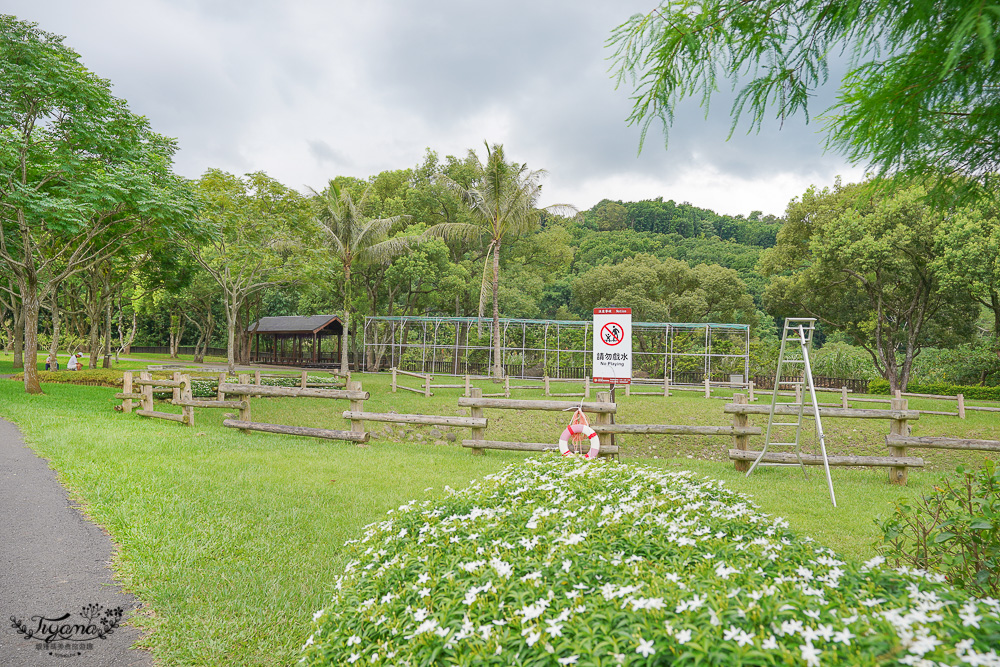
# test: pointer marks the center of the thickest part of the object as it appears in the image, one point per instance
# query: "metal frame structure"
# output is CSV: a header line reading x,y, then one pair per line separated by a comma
x,y
684,352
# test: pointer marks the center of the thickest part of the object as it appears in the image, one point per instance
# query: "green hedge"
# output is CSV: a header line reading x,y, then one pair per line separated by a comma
x,y
973,392
562,561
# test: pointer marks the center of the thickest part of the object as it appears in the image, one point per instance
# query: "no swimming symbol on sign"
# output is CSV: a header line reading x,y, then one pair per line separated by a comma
x,y
612,346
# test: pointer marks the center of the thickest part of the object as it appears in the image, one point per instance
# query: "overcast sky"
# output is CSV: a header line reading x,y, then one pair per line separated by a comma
x,y
307,90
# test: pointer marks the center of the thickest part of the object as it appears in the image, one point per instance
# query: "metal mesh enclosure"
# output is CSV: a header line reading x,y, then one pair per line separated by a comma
x,y
684,352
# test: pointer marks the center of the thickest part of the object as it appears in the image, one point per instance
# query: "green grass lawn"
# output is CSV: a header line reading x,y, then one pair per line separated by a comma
x,y
233,539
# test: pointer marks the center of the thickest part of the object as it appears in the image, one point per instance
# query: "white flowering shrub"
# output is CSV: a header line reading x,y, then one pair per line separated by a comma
x,y
562,561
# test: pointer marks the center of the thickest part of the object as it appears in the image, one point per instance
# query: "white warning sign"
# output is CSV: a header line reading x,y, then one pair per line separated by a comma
x,y
612,345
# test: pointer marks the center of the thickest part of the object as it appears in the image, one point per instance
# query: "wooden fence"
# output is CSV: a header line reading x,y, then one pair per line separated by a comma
x,y
898,416
354,393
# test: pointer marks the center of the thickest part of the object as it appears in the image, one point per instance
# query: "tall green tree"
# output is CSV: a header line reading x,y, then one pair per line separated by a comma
x,y
919,94
503,199
259,231
81,176
354,239
867,266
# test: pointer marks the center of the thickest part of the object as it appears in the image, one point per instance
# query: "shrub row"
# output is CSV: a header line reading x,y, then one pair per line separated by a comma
x,y
973,392
560,561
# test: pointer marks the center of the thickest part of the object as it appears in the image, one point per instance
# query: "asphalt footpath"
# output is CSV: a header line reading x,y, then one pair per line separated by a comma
x,y
59,604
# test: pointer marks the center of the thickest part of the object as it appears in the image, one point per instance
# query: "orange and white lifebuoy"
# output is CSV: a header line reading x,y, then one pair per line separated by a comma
x,y
583,429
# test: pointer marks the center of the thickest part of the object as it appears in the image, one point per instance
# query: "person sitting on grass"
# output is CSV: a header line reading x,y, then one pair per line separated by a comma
x,y
52,363
73,364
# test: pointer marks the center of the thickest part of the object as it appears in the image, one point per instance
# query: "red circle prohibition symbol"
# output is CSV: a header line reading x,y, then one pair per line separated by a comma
x,y
612,333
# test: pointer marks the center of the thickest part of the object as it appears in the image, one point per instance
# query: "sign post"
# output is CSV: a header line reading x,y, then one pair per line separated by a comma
x,y
612,346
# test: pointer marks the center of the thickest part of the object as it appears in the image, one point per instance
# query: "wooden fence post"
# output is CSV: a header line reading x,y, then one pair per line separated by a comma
x,y
477,433
305,380
468,384
741,441
666,387
843,397
604,418
427,386
751,385
127,389
961,406
628,389
220,394
897,427
547,393
708,387
187,394
176,393
586,387
357,426
506,387
798,394
147,391
394,379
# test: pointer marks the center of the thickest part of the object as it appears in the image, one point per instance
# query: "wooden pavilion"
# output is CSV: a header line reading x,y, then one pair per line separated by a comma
x,y
311,340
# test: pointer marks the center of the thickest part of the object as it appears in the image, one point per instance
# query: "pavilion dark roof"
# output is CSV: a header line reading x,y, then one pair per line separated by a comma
x,y
294,324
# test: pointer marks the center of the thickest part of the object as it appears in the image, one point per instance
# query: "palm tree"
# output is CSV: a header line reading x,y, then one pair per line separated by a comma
x,y
354,239
503,201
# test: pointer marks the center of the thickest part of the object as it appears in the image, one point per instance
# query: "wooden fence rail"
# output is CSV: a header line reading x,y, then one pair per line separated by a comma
x,y
898,416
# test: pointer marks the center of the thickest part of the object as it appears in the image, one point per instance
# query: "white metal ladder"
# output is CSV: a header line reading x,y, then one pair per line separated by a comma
x,y
797,330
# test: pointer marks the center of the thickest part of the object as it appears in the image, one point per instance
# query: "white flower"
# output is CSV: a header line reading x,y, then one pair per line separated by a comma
x,y
769,644
810,654
424,592
533,637
969,615
568,660
844,637
645,648
354,658
683,636
318,614
353,639
503,569
723,571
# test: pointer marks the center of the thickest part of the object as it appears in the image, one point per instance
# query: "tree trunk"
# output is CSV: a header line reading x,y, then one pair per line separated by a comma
x,y
107,335
18,337
30,307
54,346
347,318
497,360
231,316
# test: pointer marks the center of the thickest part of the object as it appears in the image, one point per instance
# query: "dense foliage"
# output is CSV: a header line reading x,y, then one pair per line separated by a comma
x,y
917,95
561,561
954,531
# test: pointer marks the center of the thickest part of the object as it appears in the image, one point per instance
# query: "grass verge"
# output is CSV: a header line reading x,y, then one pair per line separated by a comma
x,y
233,539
